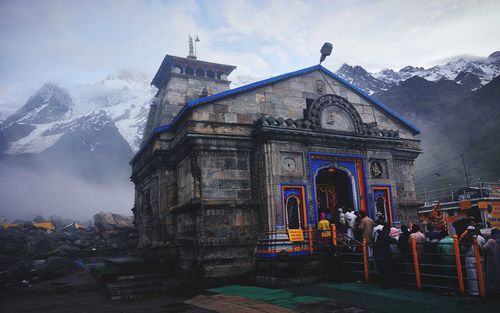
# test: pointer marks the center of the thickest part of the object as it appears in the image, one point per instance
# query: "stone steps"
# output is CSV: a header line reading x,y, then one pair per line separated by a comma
x,y
141,277
133,277
142,286
137,293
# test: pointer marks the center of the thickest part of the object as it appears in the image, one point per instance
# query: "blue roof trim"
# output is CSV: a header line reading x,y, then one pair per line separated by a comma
x,y
251,86
235,91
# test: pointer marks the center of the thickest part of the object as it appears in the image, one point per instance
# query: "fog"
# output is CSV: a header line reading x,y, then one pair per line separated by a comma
x,y
26,193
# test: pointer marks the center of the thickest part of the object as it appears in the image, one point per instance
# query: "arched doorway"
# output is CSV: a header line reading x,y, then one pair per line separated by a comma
x,y
380,205
382,201
333,191
294,206
293,220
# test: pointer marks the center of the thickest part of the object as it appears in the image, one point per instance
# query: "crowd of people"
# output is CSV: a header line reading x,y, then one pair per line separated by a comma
x,y
388,245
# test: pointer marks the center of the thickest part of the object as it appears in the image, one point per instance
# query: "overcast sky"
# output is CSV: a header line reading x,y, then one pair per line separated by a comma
x,y
81,41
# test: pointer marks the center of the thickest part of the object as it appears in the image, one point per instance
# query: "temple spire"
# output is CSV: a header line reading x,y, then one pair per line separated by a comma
x,y
191,54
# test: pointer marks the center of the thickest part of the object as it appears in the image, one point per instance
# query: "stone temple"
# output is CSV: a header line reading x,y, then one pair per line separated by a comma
x,y
221,168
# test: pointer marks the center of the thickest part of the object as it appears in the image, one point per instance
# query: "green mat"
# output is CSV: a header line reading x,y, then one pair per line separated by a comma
x,y
394,293
361,295
373,298
277,297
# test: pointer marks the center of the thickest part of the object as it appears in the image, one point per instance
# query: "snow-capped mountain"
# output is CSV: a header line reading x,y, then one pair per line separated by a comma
x,y
49,104
49,132
125,97
486,70
472,73
121,99
90,145
361,78
23,131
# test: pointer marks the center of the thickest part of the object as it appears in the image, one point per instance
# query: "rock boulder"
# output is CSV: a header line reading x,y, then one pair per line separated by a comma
x,y
105,222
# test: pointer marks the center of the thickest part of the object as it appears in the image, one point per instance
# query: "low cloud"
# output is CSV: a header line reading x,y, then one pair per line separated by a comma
x,y
26,193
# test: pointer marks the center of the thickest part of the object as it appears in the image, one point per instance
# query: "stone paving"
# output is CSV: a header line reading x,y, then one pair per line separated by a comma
x,y
235,304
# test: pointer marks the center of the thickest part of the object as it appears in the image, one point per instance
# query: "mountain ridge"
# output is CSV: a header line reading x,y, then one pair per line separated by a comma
x,y
485,69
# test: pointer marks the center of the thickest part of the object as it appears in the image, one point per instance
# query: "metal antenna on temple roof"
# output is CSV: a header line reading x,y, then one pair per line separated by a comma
x,y
191,54
326,50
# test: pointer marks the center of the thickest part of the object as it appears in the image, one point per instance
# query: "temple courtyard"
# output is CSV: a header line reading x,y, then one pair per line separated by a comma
x,y
81,293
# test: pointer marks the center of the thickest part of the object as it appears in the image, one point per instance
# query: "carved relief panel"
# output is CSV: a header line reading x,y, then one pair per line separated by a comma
x,y
336,118
378,169
334,113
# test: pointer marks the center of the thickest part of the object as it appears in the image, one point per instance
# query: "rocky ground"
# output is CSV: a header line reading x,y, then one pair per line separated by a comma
x,y
29,255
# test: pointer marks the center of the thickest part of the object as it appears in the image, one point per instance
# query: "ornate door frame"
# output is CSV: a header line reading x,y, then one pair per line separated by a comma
x,y
297,191
354,165
386,192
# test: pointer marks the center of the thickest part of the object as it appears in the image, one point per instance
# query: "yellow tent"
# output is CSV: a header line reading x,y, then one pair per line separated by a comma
x,y
5,226
47,226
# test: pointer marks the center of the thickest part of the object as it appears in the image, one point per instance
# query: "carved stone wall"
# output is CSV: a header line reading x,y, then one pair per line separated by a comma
x,y
225,175
185,181
144,214
405,181
167,199
405,186
178,91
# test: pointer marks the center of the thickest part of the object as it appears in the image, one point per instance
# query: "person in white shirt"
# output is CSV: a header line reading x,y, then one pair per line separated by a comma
x,y
351,222
470,259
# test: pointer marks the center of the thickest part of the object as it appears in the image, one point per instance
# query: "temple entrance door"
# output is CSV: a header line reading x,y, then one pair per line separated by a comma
x,y
333,191
293,220
380,205
294,206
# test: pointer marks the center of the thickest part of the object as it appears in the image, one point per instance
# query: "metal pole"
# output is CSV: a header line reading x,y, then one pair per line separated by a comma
x,y
425,194
310,241
365,261
334,235
480,187
458,262
451,193
415,262
440,184
465,170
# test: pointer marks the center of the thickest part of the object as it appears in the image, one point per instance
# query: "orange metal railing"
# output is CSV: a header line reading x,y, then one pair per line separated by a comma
x,y
365,261
422,267
458,263
415,262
